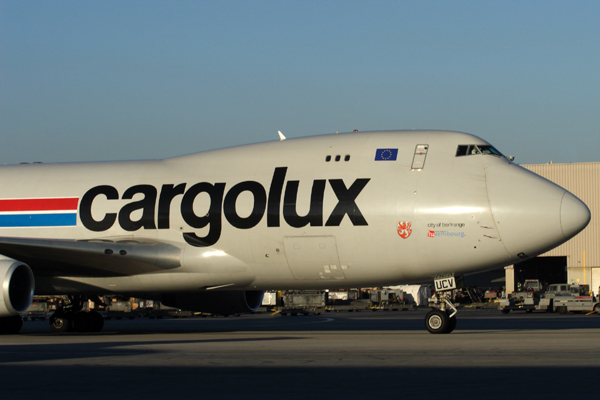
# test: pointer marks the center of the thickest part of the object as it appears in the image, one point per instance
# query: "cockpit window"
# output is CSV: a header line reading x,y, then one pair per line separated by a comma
x,y
471,149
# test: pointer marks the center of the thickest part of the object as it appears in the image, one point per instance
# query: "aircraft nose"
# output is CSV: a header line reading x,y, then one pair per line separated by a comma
x,y
574,215
532,214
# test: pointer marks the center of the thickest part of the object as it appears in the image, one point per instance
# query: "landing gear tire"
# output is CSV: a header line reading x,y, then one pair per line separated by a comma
x,y
11,325
453,322
60,322
438,321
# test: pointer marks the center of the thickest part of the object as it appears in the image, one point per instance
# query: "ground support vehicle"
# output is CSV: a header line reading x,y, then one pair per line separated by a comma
x,y
527,299
528,304
37,310
303,302
547,300
119,309
577,304
577,300
388,299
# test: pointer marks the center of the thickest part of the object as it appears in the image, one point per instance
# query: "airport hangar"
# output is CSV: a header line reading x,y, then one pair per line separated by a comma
x,y
578,260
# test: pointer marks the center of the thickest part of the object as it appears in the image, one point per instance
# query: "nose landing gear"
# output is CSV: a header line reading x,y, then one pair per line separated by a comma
x,y
442,318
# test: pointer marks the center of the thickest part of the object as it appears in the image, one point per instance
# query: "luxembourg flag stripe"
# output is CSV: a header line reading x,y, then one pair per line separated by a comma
x,y
43,212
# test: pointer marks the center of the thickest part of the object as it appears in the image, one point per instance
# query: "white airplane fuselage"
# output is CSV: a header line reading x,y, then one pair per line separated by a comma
x,y
334,211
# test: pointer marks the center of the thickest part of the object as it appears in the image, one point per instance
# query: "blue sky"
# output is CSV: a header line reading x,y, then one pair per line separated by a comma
x,y
114,80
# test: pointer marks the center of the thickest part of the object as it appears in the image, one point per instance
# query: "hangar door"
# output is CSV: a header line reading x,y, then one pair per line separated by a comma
x,y
313,257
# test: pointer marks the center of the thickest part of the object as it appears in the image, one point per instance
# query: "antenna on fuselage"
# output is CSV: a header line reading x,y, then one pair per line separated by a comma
x,y
281,137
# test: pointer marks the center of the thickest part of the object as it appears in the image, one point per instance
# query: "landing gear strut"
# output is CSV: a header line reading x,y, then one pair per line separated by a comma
x,y
69,316
442,317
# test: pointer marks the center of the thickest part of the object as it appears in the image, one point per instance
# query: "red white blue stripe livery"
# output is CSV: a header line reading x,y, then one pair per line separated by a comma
x,y
38,212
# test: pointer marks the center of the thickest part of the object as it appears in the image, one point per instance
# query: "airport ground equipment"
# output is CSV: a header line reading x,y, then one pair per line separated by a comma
x,y
577,300
304,302
490,295
547,299
392,299
37,310
527,299
119,309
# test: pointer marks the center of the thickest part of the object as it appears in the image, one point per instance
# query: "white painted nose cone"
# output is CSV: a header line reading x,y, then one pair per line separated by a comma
x,y
574,215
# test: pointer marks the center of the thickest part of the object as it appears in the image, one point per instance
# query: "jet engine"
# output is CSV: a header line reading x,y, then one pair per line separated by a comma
x,y
17,287
226,302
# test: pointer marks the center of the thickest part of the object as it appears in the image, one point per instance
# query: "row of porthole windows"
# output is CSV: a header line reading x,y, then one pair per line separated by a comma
x,y
338,158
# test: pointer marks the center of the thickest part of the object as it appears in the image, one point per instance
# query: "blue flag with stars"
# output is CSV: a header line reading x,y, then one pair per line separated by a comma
x,y
386,154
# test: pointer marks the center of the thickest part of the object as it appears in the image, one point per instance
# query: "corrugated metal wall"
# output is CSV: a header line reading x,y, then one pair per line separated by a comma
x,y
583,180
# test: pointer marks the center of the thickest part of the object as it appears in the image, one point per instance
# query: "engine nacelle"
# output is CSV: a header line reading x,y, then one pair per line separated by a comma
x,y
18,285
226,302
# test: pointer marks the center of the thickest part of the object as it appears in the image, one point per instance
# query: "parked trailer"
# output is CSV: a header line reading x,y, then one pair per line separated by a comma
x,y
303,302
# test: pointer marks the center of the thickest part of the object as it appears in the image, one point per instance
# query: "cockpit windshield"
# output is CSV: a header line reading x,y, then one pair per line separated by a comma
x,y
471,149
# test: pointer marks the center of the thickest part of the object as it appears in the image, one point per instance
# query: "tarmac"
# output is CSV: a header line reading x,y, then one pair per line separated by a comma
x,y
334,356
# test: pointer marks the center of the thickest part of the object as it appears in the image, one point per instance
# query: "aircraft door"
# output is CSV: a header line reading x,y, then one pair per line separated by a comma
x,y
419,157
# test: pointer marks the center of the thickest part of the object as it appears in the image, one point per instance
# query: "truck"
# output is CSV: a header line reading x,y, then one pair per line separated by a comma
x,y
526,299
578,299
547,299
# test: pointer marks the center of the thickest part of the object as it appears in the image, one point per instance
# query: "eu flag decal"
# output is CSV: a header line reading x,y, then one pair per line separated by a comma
x,y
386,154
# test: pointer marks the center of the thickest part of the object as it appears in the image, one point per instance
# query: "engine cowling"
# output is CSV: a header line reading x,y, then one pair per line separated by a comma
x,y
18,286
226,302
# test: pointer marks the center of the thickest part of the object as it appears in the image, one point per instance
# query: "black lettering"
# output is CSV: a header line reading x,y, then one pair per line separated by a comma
x,y
85,208
212,218
147,205
346,203
167,194
258,208
274,202
314,217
